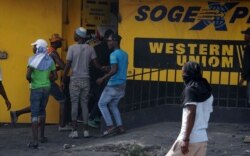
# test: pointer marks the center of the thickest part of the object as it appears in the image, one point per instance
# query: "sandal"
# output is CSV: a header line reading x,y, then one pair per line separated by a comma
x,y
43,139
32,145
110,131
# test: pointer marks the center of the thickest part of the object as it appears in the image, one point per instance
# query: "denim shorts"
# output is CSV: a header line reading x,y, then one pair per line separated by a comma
x,y
57,93
38,101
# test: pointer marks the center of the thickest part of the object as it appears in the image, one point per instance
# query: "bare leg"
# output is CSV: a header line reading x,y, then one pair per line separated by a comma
x,y
62,117
35,132
42,126
15,114
23,111
74,124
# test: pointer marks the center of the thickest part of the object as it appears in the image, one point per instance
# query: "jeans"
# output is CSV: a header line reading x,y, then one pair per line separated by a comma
x,y
111,96
79,90
38,100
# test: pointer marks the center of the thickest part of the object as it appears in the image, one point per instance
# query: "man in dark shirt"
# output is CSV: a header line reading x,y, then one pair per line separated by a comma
x,y
102,54
245,71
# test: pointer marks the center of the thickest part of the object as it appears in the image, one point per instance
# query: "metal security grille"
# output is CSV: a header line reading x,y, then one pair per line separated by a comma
x,y
142,94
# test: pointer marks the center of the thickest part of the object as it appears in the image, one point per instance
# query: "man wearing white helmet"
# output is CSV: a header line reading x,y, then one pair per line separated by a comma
x,y
40,66
79,56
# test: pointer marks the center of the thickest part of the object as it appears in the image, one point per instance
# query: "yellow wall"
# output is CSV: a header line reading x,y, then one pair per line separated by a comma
x,y
22,22
71,20
164,31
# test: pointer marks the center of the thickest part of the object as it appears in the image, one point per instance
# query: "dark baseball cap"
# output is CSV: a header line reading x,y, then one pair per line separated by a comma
x,y
108,33
116,37
246,32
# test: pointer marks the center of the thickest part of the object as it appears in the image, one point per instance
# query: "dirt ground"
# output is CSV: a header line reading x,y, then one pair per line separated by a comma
x,y
151,140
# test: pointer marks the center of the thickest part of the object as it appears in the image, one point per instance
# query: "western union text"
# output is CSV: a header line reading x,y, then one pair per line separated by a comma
x,y
209,55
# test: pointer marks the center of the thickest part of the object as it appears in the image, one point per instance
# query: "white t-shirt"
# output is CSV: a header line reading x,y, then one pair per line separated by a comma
x,y
203,110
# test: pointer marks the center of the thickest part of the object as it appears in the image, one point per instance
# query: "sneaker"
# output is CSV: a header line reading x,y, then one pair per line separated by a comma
x,y
85,133
33,145
73,134
110,131
120,130
79,121
97,119
13,117
93,124
65,128
43,139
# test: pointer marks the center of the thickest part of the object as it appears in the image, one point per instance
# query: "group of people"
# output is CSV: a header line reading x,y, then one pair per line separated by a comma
x,y
100,71
109,86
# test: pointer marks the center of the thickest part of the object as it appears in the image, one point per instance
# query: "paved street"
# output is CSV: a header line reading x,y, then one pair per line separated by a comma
x,y
151,140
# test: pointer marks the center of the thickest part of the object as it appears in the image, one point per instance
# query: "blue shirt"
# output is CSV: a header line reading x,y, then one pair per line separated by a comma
x,y
120,58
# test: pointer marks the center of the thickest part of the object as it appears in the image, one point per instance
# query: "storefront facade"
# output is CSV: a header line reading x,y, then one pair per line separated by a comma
x,y
159,36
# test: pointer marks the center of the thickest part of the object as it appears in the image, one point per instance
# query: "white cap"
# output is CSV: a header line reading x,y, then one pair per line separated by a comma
x,y
40,43
81,32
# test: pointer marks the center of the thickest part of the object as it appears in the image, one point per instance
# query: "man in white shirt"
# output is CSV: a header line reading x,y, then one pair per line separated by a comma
x,y
197,106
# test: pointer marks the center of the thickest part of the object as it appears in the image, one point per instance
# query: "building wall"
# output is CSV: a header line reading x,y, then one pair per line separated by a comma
x,y
71,21
22,22
161,27
152,33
